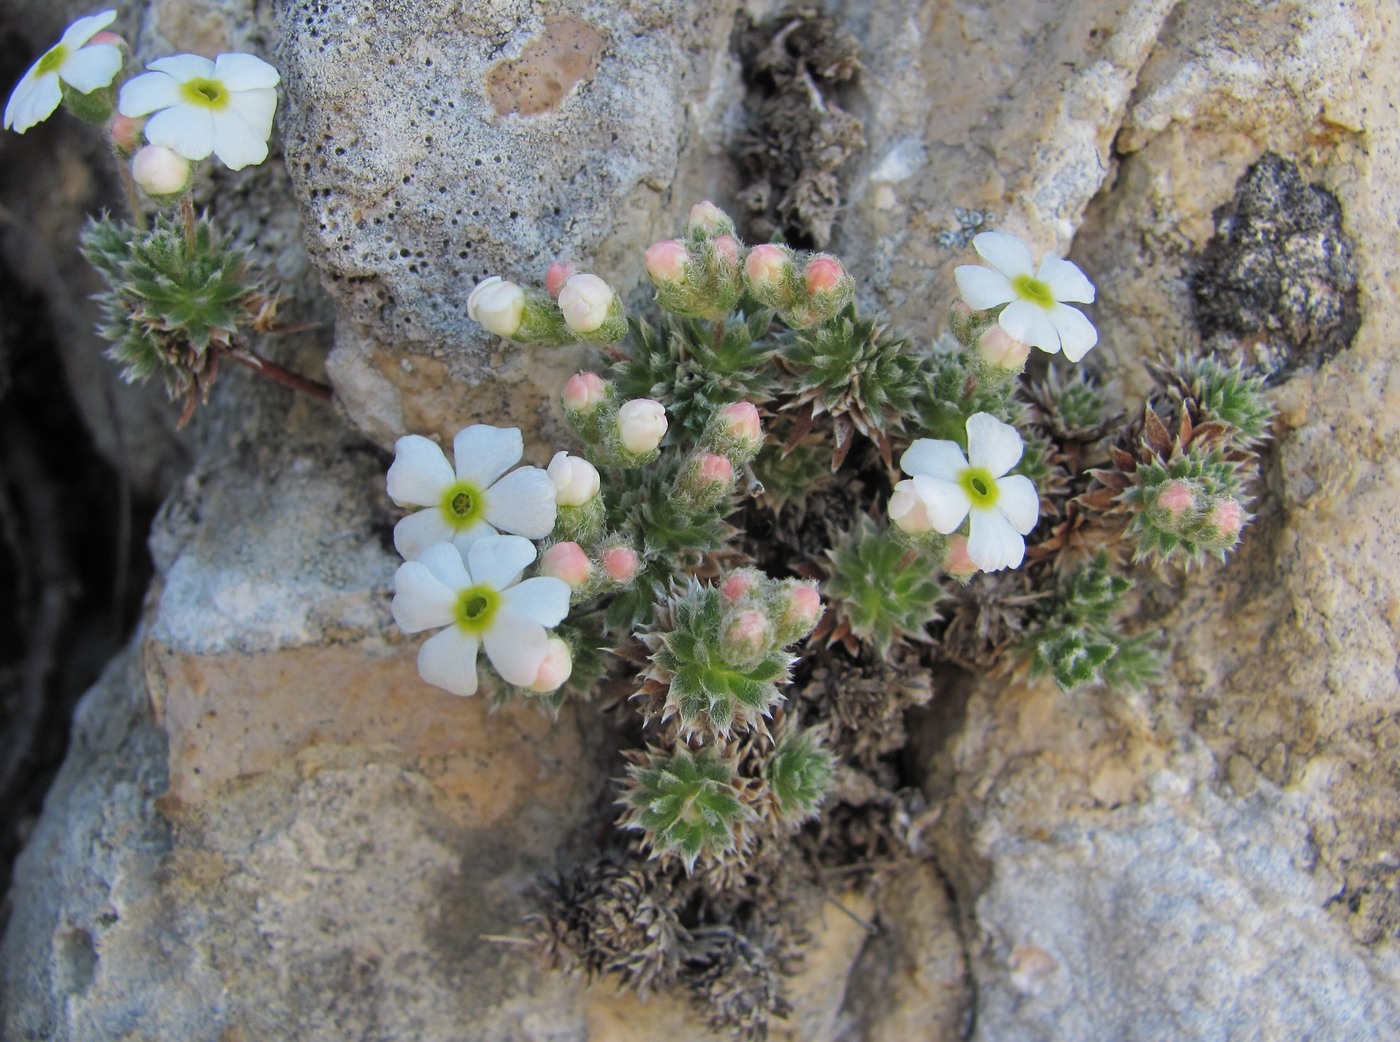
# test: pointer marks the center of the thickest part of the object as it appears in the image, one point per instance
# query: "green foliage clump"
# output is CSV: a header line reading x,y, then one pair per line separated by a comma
x,y
799,773
882,589
1223,394
685,804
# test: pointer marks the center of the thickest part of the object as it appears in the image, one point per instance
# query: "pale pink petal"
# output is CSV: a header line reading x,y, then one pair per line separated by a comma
x,y
84,29
937,459
416,532
543,599
33,101
1008,254
235,143
1077,334
256,107
244,72
993,543
443,560
1031,323
498,560
1017,499
1065,280
522,503
448,660
484,453
184,67
147,93
420,473
981,287
516,646
992,444
421,601
186,129
92,67
945,502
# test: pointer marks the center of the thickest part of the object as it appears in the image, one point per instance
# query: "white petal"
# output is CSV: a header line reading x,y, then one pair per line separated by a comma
x,y
84,29
256,107
516,646
993,544
981,287
937,459
448,660
1065,280
91,67
443,560
184,67
420,473
1017,499
33,101
484,453
992,444
1077,334
421,601
543,599
945,502
418,531
186,129
498,560
240,72
1008,254
235,143
147,93
1031,323
522,503
464,538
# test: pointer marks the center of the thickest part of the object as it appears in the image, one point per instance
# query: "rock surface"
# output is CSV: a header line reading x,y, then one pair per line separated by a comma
x,y
268,828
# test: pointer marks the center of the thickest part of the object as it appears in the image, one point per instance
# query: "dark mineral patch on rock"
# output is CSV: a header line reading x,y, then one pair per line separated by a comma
x,y
1279,276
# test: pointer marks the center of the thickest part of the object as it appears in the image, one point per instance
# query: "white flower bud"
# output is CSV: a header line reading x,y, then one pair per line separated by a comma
x,y
497,306
641,424
576,481
554,668
585,301
160,171
907,509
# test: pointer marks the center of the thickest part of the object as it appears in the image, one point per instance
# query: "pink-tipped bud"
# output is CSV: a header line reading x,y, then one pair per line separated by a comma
x,y
746,636
111,39
1227,518
497,306
956,562
800,613
1001,350
576,481
711,469
568,562
666,262
726,249
585,301
127,133
824,275
641,424
554,668
1176,499
161,172
907,509
767,267
584,392
708,220
621,563
739,586
739,423
559,273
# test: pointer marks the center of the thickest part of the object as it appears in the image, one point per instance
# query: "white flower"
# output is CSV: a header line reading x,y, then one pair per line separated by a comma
x,y
1034,310
223,106
1004,507
475,499
85,69
482,603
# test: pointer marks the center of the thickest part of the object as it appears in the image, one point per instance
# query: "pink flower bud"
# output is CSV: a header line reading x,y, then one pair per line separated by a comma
x,y
767,266
708,220
726,249
824,275
738,586
497,306
1227,518
584,392
956,562
621,563
960,310
1001,350
666,262
739,422
746,636
801,611
585,301
711,469
160,171
907,509
108,38
559,273
555,667
568,562
576,481
641,424
1176,498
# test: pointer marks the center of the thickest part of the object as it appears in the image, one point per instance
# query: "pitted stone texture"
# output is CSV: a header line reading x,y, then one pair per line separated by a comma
x,y
434,145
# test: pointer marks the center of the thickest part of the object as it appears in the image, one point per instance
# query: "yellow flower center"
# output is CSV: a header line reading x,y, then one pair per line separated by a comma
x,y
209,94
463,505
980,487
476,607
1033,290
51,61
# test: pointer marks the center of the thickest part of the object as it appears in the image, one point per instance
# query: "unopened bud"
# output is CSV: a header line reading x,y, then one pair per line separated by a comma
x,y
621,563
1227,518
706,480
767,267
555,667
741,585
162,173
736,431
497,306
666,262
559,273
907,509
824,275
800,611
586,301
1000,350
1176,499
745,637
708,221
568,562
641,424
956,561
127,134
726,250
576,481
584,392
107,37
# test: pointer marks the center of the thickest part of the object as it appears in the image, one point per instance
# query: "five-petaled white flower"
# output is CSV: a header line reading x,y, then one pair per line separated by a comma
x,y
476,499
84,68
1004,507
223,106
1034,310
482,603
